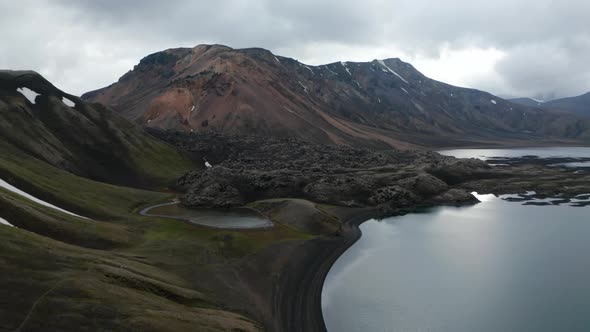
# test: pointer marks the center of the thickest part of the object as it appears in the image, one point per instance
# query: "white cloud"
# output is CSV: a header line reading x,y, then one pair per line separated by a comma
x,y
492,45
468,67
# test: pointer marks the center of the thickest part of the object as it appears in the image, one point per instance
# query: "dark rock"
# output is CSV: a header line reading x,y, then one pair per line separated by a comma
x,y
454,171
517,199
250,168
424,184
455,197
393,195
560,201
537,203
216,195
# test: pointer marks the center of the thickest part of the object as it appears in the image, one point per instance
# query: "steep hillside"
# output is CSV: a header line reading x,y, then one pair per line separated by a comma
x,y
86,139
381,103
116,271
77,249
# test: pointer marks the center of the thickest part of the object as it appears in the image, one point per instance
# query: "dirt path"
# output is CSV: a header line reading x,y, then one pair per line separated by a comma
x,y
37,302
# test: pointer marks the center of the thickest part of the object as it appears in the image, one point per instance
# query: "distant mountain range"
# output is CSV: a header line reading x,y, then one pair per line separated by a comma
x,y
382,103
579,105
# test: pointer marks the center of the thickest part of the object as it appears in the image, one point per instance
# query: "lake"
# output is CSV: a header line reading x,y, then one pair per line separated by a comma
x,y
229,219
485,154
495,266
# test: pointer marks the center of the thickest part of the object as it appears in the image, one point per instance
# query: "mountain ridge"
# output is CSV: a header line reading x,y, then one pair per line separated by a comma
x,y
578,104
378,104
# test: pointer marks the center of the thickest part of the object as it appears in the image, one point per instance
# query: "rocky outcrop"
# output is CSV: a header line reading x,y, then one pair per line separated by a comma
x,y
455,170
424,185
247,169
214,195
455,197
210,189
396,195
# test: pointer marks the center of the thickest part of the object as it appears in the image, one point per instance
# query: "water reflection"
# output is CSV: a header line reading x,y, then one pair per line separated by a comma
x,y
232,219
496,266
555,152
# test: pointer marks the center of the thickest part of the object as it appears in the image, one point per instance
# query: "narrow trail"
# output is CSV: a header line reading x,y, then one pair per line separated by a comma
x,y
37,302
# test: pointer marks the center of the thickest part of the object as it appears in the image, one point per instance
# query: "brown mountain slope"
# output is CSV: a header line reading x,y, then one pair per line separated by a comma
x,y
378,104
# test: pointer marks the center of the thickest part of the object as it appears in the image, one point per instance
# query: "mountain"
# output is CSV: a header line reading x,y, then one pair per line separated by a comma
x,y
382,103
579,105
526,102
88,140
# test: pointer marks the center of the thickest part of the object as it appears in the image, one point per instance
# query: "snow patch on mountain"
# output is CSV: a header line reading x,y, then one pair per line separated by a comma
x,y
345,67
381,62
289,110
6,185
68,102
29,94
4,222
330,70
303,86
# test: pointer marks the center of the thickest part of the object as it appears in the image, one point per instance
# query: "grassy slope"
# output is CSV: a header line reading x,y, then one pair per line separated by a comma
x,y
120,270
51,286
109,287
80,195
116,271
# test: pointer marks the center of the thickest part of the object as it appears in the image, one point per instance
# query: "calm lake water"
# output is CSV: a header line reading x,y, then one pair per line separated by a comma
x,y
496,266
231,219
485,154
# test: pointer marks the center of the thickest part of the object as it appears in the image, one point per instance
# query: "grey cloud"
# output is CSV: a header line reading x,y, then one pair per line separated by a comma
x,y
85,44
548,70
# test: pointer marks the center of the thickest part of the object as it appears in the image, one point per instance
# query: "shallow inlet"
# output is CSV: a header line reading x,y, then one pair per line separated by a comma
x,y
228,219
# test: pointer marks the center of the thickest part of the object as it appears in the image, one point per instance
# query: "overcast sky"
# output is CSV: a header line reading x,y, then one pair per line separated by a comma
x,y
533,48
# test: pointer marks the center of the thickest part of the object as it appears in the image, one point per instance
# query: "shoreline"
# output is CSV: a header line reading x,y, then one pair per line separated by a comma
x,y
297,299
512,146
